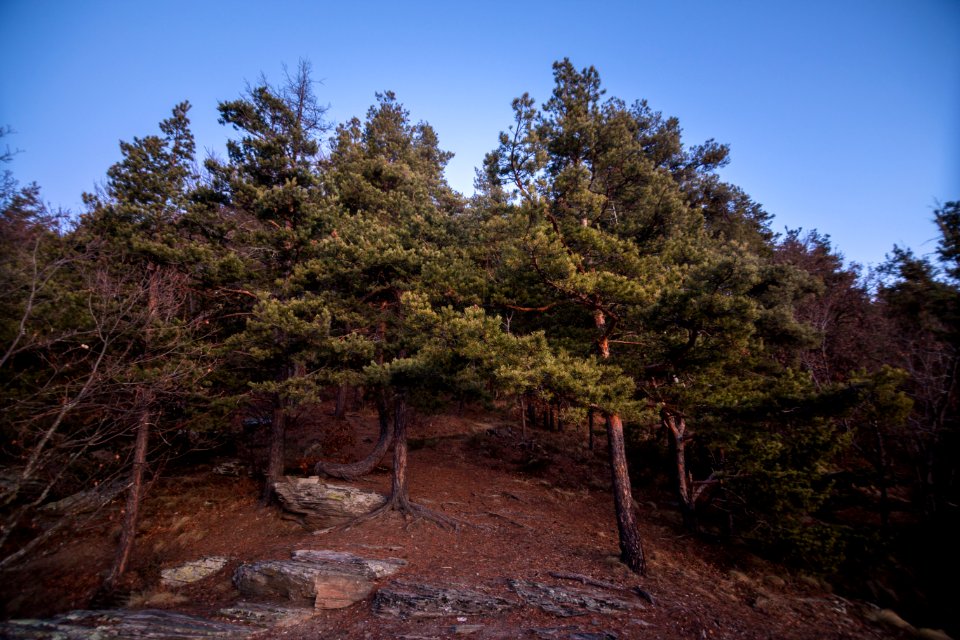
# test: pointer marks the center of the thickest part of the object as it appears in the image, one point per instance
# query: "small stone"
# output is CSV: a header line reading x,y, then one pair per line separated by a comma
x,y
465,629
266,614
191,572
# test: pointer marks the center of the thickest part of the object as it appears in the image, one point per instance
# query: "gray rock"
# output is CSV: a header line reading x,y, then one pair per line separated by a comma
x,y
570,601
371,568
326,579
232,469
121,623
266,614
194,571
319,504
85,501
410,600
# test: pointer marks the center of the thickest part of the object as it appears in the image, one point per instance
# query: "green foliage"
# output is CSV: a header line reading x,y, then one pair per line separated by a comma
x,y
603,264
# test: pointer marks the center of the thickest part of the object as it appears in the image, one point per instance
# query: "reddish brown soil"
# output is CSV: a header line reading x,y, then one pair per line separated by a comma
x,y
527,509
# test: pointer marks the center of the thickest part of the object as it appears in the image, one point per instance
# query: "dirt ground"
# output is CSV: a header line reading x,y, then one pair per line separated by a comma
x,y
528,507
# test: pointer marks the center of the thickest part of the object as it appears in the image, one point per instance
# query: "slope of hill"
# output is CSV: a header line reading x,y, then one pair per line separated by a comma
x,y
530,509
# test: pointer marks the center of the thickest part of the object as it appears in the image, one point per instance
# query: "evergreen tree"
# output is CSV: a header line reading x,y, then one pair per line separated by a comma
x,y
391,240
272,181
138,268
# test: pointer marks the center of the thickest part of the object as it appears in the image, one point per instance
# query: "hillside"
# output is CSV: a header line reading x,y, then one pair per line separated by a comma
x,y
527,509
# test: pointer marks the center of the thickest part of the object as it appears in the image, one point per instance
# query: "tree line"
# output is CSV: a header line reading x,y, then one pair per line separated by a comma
x,y
602,272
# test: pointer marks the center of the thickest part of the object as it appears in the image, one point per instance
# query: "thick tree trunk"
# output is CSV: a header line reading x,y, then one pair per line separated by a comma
x,y
631,551
131,514
362,467
399,494
275,458
532,413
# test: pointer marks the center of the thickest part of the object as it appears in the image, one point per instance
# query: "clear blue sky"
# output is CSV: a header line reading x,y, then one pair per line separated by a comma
x,y
842,115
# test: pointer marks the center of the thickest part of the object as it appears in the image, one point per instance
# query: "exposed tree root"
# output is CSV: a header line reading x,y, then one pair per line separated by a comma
x,y
411,512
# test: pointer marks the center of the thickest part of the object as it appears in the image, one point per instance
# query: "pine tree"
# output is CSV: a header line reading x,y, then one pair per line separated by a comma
x,y
139,261
391,241
272,181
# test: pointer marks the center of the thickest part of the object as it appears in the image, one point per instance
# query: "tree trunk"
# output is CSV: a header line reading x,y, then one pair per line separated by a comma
x,y
590,428
881,467
131,514
399,494
677,428
559,419
523,417
532,413
631,551
275,460
362,467
341,408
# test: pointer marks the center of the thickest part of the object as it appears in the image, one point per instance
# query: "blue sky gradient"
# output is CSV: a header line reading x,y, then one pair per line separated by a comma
x,y
843,116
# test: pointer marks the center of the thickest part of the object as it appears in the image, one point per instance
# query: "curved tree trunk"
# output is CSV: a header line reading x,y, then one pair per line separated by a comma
x,y
399,498
631,551
353,470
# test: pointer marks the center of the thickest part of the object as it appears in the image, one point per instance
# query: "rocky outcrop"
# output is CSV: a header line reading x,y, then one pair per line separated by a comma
x,y
325,579
318,504
120,623
190,572
341,561
413,600
570,601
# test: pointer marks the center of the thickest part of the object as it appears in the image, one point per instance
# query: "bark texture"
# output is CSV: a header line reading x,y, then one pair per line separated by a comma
x,y
631,551
275,459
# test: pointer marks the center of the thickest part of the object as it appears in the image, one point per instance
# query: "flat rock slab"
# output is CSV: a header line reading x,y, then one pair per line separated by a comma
x,y
267,614
570,601
119,623
325,579
342,561
411,600
318,504
193,571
